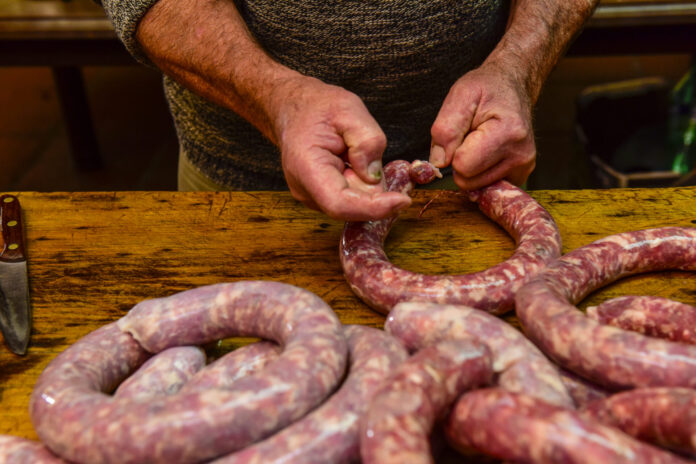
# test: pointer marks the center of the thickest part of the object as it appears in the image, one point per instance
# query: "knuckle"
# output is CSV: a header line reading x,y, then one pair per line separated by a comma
x,y
518,130
374,143
347,100
443,132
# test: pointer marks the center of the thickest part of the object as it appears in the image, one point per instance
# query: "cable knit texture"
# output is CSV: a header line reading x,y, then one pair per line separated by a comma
x,y
399,56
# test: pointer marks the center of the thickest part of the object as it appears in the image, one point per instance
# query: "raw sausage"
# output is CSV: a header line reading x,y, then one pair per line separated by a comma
x,y
330,434
163,374
519,365
15,450
382,285
607,355
521,428
660,415
582,391
649,315
397,426
73,416
224,372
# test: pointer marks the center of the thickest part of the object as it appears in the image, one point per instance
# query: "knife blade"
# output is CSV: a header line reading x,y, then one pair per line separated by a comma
x,y
15,311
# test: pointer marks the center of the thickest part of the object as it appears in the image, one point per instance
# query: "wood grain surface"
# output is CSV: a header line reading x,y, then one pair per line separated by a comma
x,y
92,256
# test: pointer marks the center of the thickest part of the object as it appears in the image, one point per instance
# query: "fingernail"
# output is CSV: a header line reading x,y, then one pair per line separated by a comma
x,y
437,156
374,170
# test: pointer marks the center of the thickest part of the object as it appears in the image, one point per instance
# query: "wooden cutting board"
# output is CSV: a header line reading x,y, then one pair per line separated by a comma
x,y
92,256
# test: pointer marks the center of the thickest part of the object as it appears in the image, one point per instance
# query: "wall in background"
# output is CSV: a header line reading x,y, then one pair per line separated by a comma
x,y
561,163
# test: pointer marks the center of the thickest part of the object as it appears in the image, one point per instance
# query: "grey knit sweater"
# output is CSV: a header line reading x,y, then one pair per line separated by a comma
x,y
399,56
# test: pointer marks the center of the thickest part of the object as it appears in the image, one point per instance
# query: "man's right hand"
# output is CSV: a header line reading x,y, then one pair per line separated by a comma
x,y
332,151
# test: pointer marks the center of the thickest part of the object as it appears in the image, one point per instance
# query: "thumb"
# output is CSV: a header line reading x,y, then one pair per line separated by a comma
x,y
365,142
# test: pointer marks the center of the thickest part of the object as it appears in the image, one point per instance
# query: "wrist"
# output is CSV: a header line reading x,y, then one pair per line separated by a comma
x,y
271,90
283,97
516,74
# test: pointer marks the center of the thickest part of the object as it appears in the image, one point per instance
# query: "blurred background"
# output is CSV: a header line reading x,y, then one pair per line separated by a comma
x,y
78,114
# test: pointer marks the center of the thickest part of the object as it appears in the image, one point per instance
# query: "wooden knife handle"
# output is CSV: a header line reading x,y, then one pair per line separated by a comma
x,y
11,224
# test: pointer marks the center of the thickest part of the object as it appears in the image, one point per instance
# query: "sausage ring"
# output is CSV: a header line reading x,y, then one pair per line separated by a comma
x,y
649,315
608,355
382,285
77,420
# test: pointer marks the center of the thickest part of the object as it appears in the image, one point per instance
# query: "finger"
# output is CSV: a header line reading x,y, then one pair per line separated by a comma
x,y
297,186
356,205
365,143
356,183
481,150
333,194
505,169
452,123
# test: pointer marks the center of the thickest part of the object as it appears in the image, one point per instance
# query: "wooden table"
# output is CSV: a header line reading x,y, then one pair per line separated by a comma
x,y
92,256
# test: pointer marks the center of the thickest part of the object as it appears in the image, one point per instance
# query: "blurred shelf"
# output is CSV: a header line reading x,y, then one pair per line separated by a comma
x,y
58,33
614,13
77,32
627,27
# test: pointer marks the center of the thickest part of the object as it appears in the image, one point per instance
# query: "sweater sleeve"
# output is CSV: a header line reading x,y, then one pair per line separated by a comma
x,y
125,15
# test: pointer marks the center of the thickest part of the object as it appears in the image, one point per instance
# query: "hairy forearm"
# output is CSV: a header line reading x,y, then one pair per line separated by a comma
x,y
538,33
206,46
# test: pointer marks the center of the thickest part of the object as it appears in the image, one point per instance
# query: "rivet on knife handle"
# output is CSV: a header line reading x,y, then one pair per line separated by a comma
x,y
11,225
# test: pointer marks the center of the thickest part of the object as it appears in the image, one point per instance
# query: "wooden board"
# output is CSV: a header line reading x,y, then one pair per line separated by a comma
x,y
92,256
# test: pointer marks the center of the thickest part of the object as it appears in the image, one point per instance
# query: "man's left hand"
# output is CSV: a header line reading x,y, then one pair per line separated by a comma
x,y
484,129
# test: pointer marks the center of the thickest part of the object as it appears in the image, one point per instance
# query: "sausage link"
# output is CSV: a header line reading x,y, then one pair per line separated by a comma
x,y
607,355
224,372
660,415
402,413
80,423
649,315
163,374
582,391
330,435
382,285
16,450
520,366
521,428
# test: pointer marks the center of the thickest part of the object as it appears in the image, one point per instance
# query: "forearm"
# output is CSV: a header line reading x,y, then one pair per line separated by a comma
x,y
206,46
538,33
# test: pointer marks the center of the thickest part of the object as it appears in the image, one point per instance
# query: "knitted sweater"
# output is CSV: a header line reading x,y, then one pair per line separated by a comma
x,y
399,56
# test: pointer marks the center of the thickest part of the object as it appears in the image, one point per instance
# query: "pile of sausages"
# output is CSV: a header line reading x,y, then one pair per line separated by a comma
x,y
616,385
625,370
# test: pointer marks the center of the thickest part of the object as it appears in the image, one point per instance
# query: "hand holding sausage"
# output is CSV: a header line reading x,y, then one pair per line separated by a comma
x,y
320,127
484,129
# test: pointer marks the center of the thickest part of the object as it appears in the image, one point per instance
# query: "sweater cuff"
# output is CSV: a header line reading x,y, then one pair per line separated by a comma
x,y
125,15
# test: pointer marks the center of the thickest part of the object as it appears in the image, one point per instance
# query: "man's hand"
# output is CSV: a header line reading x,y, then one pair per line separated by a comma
x,y
332,151
484,130
319,128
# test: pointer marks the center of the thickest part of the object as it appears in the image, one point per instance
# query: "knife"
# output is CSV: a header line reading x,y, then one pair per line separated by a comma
x,y
15,312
